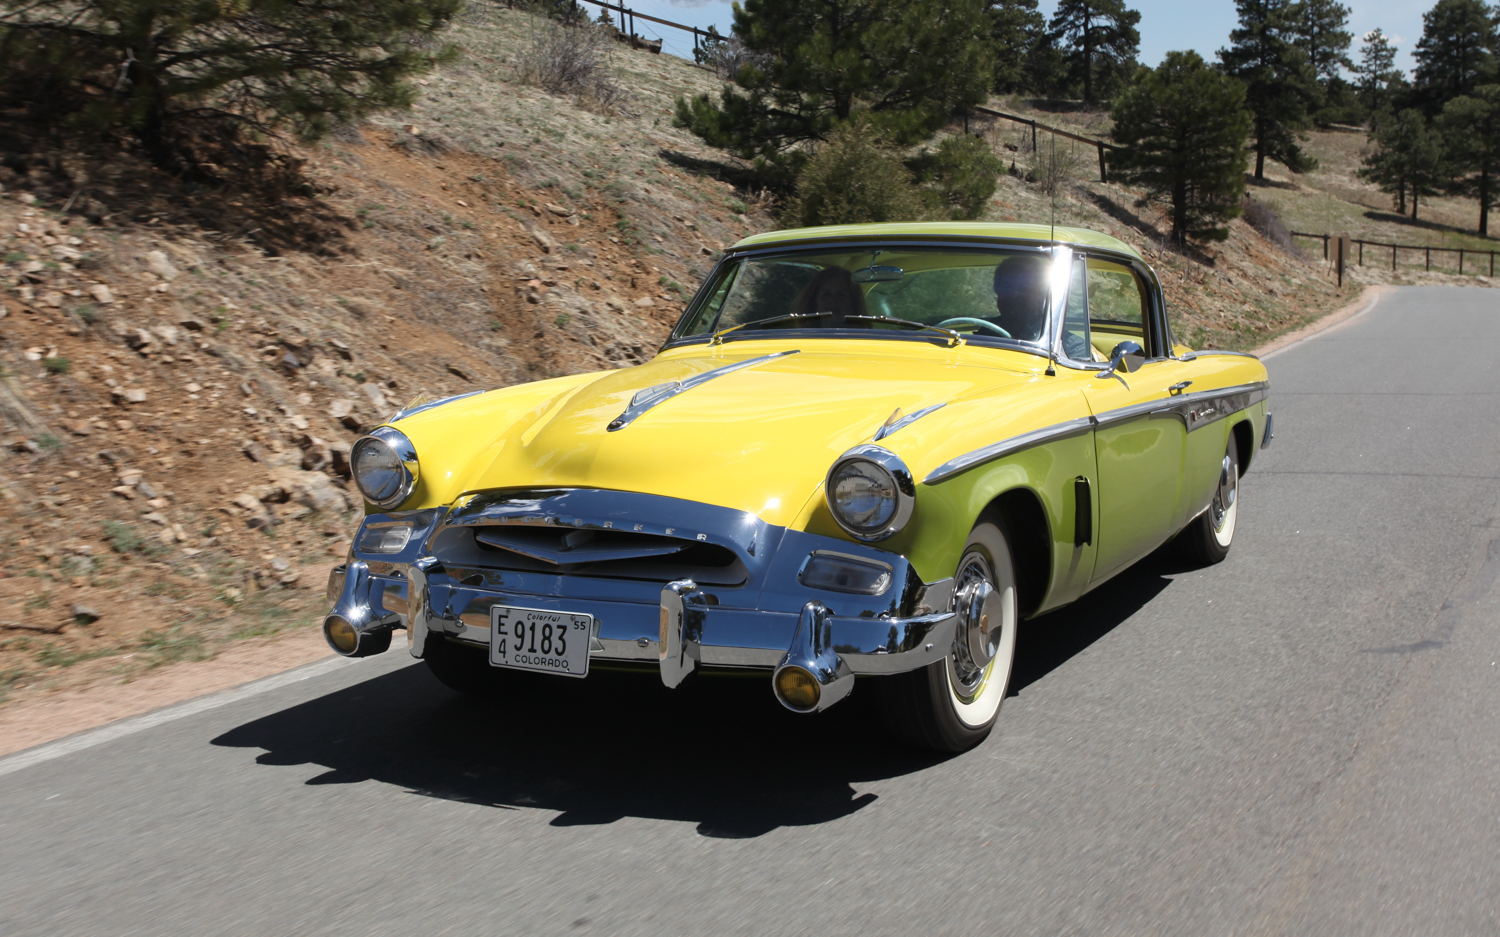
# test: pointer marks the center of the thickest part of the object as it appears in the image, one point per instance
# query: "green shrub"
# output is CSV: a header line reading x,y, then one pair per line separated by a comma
x,y
57,365
123,537
855,178
960,175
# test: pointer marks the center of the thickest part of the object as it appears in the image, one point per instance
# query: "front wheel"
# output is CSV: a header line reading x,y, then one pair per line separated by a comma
x,y
1206,540
952,704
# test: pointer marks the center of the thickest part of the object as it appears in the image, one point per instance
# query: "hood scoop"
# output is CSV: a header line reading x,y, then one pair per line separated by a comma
x,y
651,397
569,548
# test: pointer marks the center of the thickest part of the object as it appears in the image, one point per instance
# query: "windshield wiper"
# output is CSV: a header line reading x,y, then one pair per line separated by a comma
x,y
954,339
718,337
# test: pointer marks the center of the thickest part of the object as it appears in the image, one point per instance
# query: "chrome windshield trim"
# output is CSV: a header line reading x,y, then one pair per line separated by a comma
x,y
640,405
890,427
417,407
1007,447
1196,410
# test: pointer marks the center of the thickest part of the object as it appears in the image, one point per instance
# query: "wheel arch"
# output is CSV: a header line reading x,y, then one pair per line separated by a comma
x,y
1244,439
1019,512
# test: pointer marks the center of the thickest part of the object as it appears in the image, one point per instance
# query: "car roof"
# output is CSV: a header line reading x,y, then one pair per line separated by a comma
x,y
1035,233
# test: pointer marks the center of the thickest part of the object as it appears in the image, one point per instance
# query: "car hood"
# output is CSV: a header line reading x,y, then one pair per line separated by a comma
x,y
759,438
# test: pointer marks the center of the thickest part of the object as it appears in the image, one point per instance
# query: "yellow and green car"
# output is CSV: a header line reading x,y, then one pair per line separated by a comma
x,y
862,457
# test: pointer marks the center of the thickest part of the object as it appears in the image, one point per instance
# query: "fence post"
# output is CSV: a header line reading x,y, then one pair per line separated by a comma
x,y
1393,258
1033,136
1103,175
1429,260
1492,263
1361,252
1325,247
1460,261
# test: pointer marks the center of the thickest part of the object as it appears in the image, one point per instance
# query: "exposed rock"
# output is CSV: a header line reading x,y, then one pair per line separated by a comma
x,y
339,451
51,298
298,421
124,491
84,615
192,325
340,409
558,210
314,490
542,238
138,338
168,333
101,294
157,263
192,387
645,302
129,395
257,452
82,428
457,371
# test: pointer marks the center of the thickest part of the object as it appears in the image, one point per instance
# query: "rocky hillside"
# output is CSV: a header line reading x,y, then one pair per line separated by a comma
x,y
184,368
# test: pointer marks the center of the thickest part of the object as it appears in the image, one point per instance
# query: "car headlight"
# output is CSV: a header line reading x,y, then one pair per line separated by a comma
x,y
384,465
870,492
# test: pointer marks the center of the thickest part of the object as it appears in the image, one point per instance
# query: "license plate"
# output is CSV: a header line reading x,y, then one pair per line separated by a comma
x,y
538,639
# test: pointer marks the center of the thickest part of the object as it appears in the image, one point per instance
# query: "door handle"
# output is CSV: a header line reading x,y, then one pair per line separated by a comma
x,y
1179,387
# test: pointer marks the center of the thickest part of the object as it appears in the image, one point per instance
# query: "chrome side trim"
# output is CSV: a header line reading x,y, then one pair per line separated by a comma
x,y
417,404
1205,354
652,397
890,426
1009,446
1196,410
1265,441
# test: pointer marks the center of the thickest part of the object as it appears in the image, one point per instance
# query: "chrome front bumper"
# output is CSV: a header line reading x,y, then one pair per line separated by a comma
x,y
440,586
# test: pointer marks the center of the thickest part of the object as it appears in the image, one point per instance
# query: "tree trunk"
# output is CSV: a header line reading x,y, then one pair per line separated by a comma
x,y
1179,212
1401,198
1260,149
1088,59
1415,198
1484,199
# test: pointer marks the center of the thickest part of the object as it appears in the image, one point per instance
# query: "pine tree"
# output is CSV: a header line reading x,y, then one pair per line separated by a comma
x,y
1101,38
158,69
1471,132
1280,87
1183,128
1016,32
907,64
1456,52
1317,28
1378,76
1409,161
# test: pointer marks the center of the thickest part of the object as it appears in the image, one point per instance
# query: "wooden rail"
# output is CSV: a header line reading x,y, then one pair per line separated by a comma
x,y
1035,126
1427,250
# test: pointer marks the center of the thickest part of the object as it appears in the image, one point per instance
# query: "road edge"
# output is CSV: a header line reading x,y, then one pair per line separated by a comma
x,y
109,731
1366,301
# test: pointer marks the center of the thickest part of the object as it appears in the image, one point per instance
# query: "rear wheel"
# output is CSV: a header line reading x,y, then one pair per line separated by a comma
x,y
1206,540
951,705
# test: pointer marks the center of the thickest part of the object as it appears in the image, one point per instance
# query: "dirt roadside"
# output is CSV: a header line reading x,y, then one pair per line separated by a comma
x,y
42,719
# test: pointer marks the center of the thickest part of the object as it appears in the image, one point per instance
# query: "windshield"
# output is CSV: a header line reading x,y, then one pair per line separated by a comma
x,y
998,296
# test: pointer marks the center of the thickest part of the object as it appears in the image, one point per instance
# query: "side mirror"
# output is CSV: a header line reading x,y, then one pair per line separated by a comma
x,y
1127,357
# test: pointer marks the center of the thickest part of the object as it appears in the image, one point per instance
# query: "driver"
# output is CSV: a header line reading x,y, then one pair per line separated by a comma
x,y
832,290
1021,296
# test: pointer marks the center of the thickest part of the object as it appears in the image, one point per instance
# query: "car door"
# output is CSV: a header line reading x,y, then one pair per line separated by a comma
x,y
1140,437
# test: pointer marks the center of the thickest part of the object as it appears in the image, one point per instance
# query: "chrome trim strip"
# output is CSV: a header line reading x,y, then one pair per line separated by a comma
x,y
1265,441
640,406
1196,410
888,428
413,407
1007,447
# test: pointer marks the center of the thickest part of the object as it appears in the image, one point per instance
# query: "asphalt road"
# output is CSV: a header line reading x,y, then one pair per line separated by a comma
x,y
1299,740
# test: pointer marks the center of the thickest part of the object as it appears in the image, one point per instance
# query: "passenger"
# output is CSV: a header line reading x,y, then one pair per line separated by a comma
x,y
832,290
1021,296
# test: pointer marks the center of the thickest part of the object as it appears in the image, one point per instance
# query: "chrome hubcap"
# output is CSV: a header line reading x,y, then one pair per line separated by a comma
x,y
980,624
1228,490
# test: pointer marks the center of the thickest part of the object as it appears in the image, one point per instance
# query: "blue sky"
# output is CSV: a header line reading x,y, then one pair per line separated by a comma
x,y
1166,25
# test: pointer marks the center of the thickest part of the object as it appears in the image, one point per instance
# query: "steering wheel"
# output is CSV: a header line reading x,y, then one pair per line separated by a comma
x,y
976,323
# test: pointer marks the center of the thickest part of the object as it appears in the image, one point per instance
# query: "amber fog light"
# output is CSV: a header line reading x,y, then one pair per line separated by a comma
x,y
341,635
797,688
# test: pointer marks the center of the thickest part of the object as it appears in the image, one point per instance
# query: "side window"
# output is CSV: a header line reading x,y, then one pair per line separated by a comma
x,y
1117,307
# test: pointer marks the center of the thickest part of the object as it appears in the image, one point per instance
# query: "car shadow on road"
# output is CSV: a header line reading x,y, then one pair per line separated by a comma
x,y
1048,641
718,751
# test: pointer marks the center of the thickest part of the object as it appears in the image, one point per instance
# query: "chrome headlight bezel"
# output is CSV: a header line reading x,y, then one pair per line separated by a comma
x,y
405,453
902,482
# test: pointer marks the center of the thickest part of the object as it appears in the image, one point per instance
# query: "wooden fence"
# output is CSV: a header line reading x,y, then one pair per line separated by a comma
x,y
1394,248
